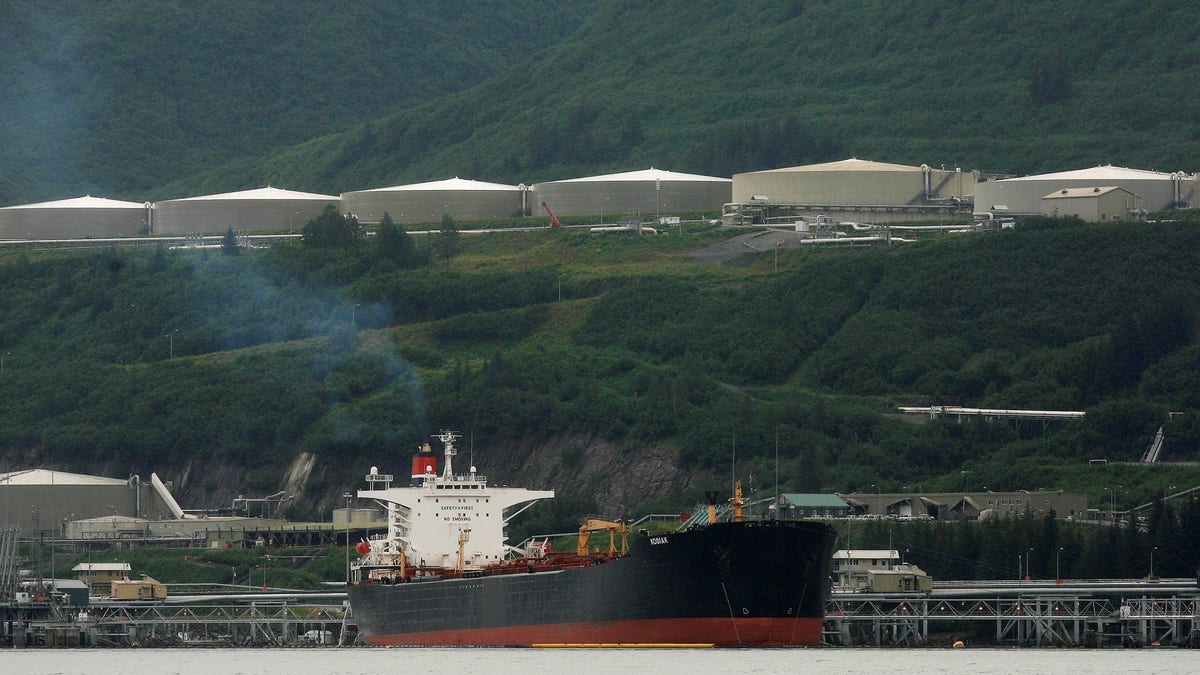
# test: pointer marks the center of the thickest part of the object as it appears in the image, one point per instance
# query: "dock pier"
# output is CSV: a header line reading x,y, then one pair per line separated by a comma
x,y
1045,614
1092,614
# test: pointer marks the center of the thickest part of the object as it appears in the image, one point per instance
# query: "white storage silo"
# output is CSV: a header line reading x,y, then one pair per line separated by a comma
x,y
859,189
460,198
258,210
82,217
1023,196
646,192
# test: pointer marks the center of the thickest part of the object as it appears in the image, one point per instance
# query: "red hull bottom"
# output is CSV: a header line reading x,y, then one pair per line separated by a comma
x,y
744,632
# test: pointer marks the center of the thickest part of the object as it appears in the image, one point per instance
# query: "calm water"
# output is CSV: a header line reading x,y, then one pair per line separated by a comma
x,y
623,661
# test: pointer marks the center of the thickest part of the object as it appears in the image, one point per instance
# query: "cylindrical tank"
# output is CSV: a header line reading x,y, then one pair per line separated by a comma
x,y
262,209
1023,195
459,198
73,219
854,182
647,192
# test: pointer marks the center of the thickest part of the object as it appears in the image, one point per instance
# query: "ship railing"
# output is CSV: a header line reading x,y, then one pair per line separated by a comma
x,y
524,545
655,518
472,478
700,515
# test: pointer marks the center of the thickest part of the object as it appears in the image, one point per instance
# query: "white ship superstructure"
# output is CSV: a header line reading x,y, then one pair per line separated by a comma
x,y
441,522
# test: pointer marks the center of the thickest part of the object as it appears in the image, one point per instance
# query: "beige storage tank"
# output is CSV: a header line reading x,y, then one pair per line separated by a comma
x,y
79,218
460,198
648,192
1023,196
855,183
264,209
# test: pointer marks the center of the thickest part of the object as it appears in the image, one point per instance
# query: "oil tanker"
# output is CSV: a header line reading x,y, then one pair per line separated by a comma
x,y
443,576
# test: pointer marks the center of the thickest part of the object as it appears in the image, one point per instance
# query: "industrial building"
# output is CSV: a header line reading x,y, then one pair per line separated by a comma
x,y
877,571
77,218
647,192
792,505
249,210
855,190
99,576
43,502
968,505
459,198
1023,196
1093,205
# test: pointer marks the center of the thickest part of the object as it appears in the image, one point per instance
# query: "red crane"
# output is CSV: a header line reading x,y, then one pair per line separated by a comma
x,y
553,218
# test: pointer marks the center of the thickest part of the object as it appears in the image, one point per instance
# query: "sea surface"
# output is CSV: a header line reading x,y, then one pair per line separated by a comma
x,y
465,661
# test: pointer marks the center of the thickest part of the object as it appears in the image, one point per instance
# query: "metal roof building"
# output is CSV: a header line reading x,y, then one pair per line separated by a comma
x,y
967,505
1023,196
650,191
76,218
44,501
858,189
261,209
1094,205
810,505
460,198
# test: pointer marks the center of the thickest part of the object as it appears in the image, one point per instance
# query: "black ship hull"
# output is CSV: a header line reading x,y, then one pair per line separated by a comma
x,y
754,583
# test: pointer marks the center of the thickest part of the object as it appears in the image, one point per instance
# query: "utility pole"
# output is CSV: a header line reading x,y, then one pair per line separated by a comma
x,y
347,496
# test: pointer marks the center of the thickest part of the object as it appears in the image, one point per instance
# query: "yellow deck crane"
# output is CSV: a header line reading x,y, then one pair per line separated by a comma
x,y
591,525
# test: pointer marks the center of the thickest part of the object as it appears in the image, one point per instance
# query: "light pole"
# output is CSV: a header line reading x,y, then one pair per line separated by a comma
x,y
347,496
1112,503
1152,561
878,500
1019,568
1057,568
171,342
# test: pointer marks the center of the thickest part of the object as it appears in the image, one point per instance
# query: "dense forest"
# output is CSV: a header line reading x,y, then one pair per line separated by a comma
x,y
721,87
155,100
116,97
1049,548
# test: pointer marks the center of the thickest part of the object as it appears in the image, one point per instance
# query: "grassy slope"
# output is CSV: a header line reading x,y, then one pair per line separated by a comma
x,y
756,85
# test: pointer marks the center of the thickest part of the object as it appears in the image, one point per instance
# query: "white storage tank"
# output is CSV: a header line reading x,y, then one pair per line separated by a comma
x,y
460,198
647,192
1023,196
255,210
856,183
79,218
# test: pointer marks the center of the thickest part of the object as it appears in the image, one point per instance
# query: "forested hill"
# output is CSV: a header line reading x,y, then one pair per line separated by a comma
x,y
618,370
718,87
139,99
115,97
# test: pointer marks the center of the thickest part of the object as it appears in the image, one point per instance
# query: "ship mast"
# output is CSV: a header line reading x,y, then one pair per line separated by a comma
x,y
447,438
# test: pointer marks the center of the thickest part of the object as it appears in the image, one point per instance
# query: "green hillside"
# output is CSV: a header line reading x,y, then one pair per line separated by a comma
x,y
721,87
228,368
116,97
